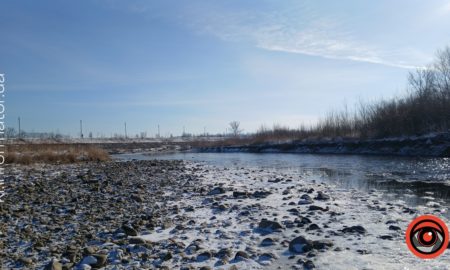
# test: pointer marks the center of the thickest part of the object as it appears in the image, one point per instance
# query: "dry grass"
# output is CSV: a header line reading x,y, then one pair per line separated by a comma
x,y
54,153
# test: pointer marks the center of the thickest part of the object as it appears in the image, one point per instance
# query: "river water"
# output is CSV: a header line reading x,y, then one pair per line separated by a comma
x,y
414,180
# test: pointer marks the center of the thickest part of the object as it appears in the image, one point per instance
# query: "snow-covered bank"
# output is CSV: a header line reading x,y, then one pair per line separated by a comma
x,y
437,145
188,215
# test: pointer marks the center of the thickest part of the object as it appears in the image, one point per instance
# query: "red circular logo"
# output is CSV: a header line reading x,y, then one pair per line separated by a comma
x,y
427,237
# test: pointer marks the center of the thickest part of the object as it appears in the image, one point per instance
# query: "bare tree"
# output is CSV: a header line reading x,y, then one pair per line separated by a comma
x,y
234,125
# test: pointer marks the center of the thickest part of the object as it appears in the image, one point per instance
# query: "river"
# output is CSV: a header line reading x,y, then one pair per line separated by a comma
x,y
415,180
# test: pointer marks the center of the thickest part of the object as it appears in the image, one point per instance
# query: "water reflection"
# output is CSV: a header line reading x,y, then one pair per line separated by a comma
x,y
400,177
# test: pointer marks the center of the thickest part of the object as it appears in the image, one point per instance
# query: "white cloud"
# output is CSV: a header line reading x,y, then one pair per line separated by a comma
x,y
298,30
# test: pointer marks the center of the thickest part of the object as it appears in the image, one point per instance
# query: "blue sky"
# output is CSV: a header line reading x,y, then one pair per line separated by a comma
x,y
205,63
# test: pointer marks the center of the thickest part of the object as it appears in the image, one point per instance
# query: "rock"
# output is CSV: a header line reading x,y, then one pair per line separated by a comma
x,y
355,229
67,266
311,254
322,244
269,226
166,224
305,199
305,220
317,208
204,256
167,256
313,227
394,228
267,256
216,191
261,194
300,245
240,194
26,261
137,198
90,260
83,267
309,265
136,241
53,265
88,251
322,196
101,260
222,207
130,231
224,253
386,237
276,180
267,242
241,255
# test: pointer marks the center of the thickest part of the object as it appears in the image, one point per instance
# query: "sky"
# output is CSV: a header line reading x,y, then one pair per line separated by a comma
x,y
202,64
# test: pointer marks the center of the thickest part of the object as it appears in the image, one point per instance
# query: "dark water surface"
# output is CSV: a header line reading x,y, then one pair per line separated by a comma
x,y
410,179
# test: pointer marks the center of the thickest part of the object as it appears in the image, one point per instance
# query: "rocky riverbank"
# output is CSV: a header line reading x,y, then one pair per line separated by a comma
x,y
87,215
434,145
182,215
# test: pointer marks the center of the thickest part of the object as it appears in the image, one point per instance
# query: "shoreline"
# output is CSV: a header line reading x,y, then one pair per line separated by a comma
x,y
432,145
184,215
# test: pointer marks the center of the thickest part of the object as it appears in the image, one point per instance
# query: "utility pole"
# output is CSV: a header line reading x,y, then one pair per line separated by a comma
x,y
81,129
19,126
184,131
125,130
204,131
159,134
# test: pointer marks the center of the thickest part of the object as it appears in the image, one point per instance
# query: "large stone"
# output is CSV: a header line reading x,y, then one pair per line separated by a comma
x,y
305,199
204,256
355,229
130,231
300,245
322,196
261,194
241,255
267,242
269,226
53,265
317,208
224,253
90,260
101,260
216,191
240,194
394,228
26,260
322,244
137,198
88,250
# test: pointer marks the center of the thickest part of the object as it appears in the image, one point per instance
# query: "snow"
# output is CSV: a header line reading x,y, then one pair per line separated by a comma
x,y
353,207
